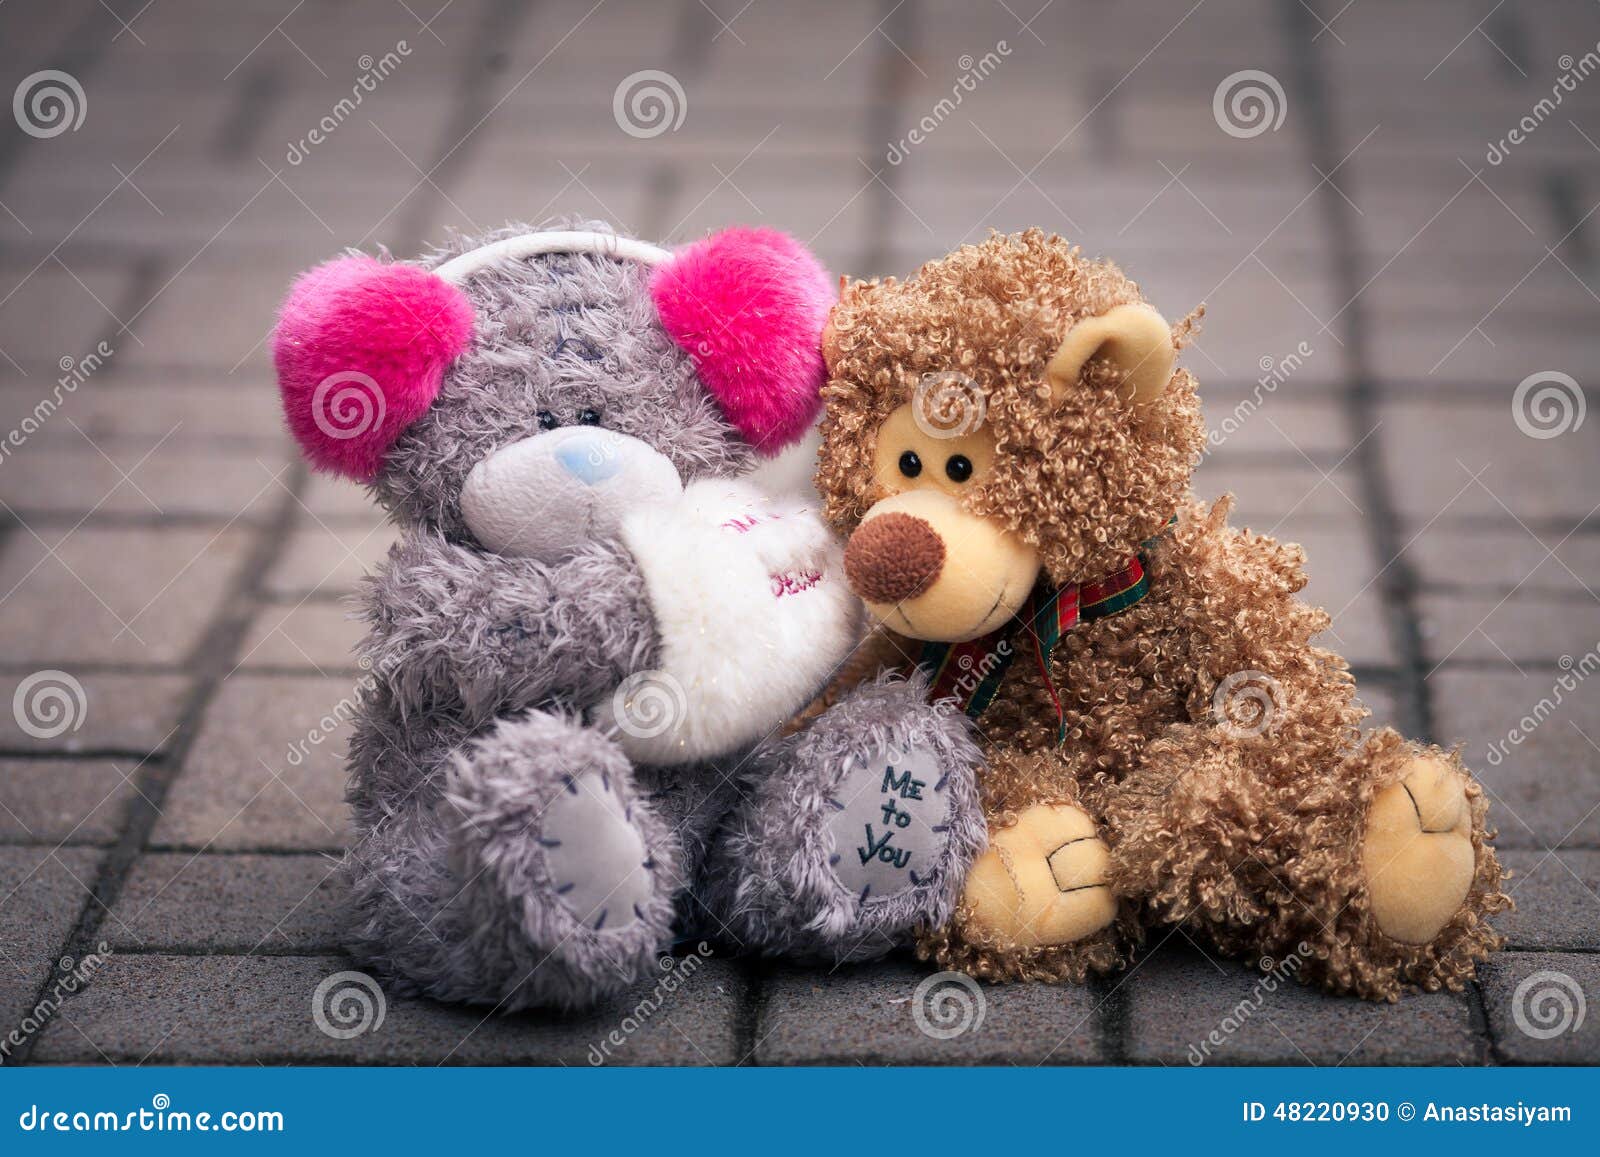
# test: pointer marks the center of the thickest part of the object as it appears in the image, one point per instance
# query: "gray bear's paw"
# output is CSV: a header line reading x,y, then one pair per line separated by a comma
x,y
593,853
858,830
892,813
567,874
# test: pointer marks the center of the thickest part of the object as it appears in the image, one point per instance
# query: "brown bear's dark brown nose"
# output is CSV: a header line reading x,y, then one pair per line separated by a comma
x,y
892,558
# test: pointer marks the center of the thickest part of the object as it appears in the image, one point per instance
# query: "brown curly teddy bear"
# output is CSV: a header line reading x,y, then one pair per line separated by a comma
x,y
1009,444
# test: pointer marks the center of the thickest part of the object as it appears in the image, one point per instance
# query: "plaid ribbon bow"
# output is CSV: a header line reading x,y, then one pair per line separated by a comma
x,y
971,673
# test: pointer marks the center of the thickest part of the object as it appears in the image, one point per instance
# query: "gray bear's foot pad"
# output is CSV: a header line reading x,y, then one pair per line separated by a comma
x,y
891,816
595,855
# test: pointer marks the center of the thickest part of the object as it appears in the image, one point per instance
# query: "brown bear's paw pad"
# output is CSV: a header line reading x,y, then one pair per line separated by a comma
x,y
1418,854
1042,882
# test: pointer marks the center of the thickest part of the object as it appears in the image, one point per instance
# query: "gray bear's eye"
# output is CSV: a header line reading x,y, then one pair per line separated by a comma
x,y
547,420
578,346
589,418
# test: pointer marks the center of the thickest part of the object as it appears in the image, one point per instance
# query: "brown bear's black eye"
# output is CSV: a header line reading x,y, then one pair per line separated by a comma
x,y
547,420
910,464
589,417
958,467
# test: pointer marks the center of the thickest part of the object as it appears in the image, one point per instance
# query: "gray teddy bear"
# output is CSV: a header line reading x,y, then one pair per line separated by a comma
x,y
588,640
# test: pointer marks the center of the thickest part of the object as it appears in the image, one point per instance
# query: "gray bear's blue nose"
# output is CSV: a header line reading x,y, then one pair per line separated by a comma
x,y
589,459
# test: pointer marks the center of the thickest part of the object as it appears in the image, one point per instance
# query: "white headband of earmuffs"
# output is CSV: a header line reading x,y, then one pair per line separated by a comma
x,y
463,266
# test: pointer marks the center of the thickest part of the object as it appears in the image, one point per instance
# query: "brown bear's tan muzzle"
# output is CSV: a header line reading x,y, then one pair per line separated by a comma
x,y
930,570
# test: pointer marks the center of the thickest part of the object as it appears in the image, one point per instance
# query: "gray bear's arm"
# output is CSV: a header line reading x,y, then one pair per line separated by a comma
x,y
452,626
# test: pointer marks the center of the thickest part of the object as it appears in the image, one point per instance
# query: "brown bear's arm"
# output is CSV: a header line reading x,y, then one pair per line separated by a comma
x,y
1248,637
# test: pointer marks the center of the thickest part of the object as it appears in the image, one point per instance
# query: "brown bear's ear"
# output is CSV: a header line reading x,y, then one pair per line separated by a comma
x,y
1135,338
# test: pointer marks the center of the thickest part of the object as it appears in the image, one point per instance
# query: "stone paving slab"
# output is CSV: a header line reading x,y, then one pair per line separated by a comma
x,y
145,480
1468,459
146,410
316,635
1178,999
188,1009
231,336
1522,629
867,1015
1342,572
96,594
182,902
41,894
1543,786
56,316
49,801
1505,559
121,712
1539,1023
336,499
328,561
1277,499
1286,423
1558,899
266,770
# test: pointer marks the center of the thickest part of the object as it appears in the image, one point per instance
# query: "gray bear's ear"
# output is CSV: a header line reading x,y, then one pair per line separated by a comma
x,y
361,348
748,306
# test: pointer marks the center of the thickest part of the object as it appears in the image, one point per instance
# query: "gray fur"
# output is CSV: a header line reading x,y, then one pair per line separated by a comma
x,y
482,668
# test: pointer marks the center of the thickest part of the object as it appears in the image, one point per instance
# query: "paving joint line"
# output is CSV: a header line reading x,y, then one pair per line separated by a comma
x,y
256,100
1398,584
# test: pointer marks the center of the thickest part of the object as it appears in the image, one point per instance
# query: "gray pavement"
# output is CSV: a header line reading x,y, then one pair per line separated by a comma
x,y
171,624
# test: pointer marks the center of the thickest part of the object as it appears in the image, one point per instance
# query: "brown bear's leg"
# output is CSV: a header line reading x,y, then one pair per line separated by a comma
x,y
1038,903
1325,872
1427,877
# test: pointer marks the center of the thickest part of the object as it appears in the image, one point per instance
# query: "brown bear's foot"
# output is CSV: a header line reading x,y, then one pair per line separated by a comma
x,y
1420,881
1042,882
1418,852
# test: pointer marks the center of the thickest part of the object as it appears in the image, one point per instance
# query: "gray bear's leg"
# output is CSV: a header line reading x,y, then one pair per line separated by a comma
x,y
539,877
851,833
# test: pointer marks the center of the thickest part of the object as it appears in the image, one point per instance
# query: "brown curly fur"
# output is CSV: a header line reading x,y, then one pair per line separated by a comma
x,y
1253,843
